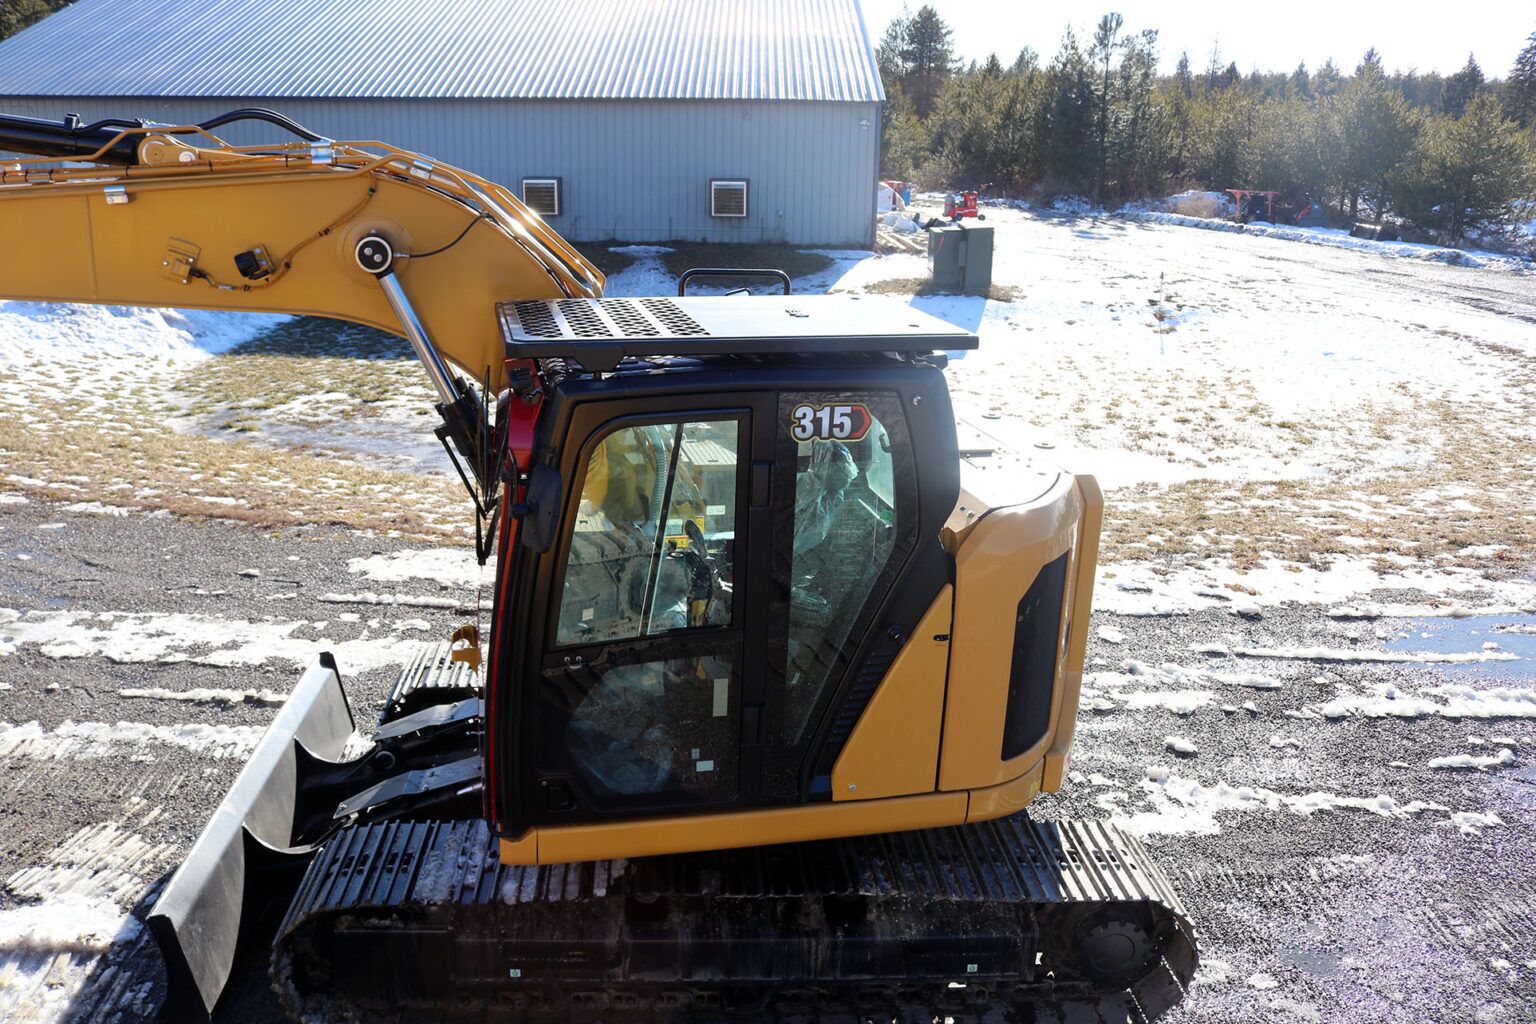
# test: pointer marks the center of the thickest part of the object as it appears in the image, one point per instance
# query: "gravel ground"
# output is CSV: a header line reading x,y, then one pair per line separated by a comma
x,y
157,792
1339,914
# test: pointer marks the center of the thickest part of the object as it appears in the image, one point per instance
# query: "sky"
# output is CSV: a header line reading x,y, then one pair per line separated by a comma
x,y
1269,36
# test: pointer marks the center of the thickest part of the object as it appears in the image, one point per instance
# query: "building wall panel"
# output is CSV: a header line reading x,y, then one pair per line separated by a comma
x,y
632,170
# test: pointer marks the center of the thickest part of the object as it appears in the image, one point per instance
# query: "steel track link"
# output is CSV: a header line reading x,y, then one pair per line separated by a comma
x,y
420,921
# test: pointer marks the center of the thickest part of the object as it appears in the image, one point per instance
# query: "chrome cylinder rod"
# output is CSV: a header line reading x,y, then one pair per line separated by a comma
x,y
376,256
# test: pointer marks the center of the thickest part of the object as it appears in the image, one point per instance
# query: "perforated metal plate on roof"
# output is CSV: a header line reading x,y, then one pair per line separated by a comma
x,y
606,318
601,332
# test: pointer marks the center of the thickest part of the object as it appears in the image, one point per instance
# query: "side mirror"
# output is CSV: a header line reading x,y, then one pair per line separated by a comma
x,y
541,509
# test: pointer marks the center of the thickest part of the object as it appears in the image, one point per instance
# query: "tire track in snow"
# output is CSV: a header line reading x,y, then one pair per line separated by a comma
x,y
69,934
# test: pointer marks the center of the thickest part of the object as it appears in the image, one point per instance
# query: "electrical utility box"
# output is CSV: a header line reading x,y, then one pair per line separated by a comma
x,y
960,258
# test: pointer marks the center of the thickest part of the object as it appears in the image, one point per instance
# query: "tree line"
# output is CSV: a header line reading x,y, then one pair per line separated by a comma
x,y
1449,155
16,15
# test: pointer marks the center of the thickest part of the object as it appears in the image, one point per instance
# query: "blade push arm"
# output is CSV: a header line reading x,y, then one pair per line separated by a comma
x,y
173,216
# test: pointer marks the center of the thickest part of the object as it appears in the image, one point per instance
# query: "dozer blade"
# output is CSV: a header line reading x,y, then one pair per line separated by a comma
x,y
246,855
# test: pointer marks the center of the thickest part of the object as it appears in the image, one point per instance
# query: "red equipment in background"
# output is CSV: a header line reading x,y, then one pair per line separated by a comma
x,y
958,205
1253,204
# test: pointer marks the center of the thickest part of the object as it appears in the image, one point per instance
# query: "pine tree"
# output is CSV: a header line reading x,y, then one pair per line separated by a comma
x,y
927,56
1374,129
1221,126
1182,77
1470,173
904,141
983,128
1211,78
1300,83
1066,115
888,53
1106,43
1141,144
1462,87
1327,81
1520,87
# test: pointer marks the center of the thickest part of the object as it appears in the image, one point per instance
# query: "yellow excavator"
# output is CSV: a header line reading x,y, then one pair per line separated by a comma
x,y
773,667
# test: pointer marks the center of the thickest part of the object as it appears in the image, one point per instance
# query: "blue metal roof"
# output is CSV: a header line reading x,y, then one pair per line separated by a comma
x,y
506,49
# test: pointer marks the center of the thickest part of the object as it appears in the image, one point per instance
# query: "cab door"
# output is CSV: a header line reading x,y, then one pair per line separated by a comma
x,y
647,649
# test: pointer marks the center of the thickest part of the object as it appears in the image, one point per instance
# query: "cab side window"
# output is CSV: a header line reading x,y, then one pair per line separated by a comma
x,y
851,455
652,552
652,549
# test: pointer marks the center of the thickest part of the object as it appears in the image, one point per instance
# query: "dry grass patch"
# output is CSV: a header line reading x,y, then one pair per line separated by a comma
x,y
105,431
1472,491
143,464
925,286
356,366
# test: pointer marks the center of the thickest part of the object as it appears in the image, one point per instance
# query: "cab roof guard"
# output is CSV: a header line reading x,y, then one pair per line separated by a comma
x,y
600,333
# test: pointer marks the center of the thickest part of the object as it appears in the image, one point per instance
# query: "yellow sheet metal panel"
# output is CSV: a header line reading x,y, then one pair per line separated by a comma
x,y
1005,798
454,294
894,748
996,561
34,266
1080,602
168,236
653,836
523,850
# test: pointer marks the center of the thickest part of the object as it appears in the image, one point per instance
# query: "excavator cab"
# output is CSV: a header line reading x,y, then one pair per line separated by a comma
x,y
744,533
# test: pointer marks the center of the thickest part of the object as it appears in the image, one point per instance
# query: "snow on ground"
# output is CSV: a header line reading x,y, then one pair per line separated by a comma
x,y
398,600
1475,762
39,332
1184,806
448,566
1149,588
72,908
1338,238
125,741
204,695
1274,423
1180,746
172,638
1357,655
1386,700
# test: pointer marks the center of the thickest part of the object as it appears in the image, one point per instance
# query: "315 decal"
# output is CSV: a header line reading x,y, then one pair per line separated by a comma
x,y
829,422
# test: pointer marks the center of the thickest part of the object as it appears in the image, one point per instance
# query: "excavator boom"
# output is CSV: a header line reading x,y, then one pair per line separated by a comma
x,y
156,215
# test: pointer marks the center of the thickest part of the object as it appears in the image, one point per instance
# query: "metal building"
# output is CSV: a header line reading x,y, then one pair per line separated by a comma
x,y
717,120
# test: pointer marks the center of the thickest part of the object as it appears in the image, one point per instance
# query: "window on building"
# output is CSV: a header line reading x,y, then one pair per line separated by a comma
x,y
542,195
727,197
